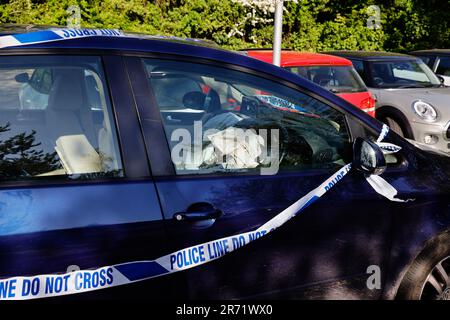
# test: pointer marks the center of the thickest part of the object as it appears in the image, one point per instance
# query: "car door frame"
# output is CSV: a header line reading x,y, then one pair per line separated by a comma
x,y
152,123
130,140
151,120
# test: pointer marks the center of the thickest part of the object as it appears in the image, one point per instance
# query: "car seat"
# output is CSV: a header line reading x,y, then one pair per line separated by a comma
x,y
209,102
68,111
322,79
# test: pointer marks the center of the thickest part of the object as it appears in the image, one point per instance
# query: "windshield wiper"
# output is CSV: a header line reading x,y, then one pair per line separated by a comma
x,y
411,86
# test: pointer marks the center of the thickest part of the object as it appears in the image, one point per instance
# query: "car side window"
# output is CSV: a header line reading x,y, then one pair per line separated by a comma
x,y
56,119
443,67
231,121
359,67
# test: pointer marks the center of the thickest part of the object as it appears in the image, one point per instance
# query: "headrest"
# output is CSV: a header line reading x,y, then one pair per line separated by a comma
x,y
67,89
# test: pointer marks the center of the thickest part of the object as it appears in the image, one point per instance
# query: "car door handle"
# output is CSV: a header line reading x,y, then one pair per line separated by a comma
x,y
198,215
170,118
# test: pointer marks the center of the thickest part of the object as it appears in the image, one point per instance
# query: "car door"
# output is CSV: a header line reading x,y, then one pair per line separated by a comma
x,y
74,194
325,251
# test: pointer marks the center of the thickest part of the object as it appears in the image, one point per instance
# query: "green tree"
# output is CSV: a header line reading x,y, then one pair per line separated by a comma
x,y
21,157
311,25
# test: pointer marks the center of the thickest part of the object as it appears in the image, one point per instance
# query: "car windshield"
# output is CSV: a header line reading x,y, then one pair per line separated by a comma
x,y
337,79
403,74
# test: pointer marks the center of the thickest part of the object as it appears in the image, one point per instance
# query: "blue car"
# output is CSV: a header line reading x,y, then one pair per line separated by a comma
x,y
115,168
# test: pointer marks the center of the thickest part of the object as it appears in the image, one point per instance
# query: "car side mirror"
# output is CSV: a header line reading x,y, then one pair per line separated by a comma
x,y
22,78
441,78
368,157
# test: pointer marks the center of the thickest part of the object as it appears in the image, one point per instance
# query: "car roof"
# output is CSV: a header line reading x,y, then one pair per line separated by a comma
x,y
372,55
296,58
431,51
17,29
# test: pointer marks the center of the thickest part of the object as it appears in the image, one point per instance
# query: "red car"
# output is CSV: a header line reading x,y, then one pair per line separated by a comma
x,y
334,73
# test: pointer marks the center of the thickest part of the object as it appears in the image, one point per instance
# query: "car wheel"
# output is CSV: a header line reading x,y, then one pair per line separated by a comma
x,y
428,278
394,125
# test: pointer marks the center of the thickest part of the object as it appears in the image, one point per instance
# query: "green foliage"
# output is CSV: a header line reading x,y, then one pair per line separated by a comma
x,y
311,25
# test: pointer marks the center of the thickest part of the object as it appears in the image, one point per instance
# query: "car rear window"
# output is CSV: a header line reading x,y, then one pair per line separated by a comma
x,y
337,79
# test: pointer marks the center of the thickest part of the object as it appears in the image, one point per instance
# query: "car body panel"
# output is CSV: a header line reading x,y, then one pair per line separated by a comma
x,y
413,229
299,252
73,207
402,100
293,58
357,99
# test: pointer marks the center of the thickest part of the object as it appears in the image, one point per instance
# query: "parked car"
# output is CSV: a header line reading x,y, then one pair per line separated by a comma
x,y
410,97
333,73
85,188
438,60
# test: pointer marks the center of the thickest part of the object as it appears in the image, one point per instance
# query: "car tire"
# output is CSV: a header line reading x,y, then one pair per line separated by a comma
x,y
394,125
428,277
396,120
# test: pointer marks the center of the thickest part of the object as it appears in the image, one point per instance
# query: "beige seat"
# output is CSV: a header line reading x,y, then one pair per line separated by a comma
x,y
68,111
77,155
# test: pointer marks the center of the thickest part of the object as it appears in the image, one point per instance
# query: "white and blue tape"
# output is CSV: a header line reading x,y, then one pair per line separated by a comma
x,y
52,35
52,285
45,36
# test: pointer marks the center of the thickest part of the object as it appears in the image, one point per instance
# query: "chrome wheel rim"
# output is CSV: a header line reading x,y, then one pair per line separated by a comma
x,y
437,283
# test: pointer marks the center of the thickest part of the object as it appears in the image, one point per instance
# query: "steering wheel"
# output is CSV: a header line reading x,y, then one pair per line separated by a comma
x,y
378,80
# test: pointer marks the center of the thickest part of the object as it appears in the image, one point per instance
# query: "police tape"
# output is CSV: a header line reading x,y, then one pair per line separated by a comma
x,y
52,285
55,35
